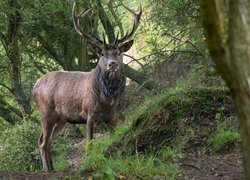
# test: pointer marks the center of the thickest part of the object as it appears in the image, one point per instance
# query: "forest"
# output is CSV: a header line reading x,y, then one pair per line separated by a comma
x,y
186,108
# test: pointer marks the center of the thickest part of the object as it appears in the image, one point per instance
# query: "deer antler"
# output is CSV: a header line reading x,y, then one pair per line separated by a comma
x,y
76,21
137,18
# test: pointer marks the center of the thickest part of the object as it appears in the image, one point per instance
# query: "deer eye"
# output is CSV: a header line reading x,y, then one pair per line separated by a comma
x,y
102,54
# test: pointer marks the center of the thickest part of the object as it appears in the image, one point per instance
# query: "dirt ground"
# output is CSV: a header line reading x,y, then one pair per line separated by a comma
x,y
31,176
218,167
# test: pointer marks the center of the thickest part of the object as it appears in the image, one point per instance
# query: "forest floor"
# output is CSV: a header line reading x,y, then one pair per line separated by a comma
x,y
224,166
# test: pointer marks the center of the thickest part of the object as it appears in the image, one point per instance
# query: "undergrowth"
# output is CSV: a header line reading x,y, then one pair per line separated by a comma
x,y
19,148
132,167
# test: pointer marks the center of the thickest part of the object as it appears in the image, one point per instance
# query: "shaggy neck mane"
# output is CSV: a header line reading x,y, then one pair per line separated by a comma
x,y
110,86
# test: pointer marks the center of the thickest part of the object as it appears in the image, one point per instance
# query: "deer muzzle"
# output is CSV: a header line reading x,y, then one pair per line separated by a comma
x,y
112,66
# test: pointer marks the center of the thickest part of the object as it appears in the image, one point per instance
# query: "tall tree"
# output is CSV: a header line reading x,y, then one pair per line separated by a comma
x,y
10,41
228,40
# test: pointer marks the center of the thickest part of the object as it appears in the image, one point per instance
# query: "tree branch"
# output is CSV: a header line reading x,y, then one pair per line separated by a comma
x,y
118,22
140,78
50,49
7,111
4,41
5,86
109,29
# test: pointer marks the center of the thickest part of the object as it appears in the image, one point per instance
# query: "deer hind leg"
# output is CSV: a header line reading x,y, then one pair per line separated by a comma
x,y
45,144
58,127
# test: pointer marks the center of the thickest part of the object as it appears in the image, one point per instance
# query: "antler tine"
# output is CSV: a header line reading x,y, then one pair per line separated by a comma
x,y
116,39
137,18
130,10
76,21
82,14
104,40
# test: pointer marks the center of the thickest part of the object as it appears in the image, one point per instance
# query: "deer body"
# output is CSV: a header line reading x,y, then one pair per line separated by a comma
x,y
83,97
74,96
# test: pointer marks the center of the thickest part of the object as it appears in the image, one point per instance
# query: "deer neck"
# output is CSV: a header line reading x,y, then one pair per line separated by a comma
x,y
109,86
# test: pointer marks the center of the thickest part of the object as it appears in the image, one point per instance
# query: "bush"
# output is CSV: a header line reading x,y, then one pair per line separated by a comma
x,y
224,136
19,148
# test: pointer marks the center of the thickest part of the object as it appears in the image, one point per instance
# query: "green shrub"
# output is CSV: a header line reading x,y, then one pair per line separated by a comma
x,y
223,136
19,148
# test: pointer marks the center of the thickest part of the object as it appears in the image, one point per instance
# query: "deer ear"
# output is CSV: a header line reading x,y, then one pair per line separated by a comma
x,y
126,46
95,48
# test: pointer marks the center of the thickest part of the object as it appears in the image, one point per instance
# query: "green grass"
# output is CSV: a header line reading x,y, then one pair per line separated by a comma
x,y
102,165
137,166
59,153
61,164
224,135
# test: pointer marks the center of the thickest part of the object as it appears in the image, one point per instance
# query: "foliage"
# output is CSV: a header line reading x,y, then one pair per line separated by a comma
x,y
18,147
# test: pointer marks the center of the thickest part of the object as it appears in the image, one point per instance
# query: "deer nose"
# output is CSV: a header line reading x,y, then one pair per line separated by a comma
x,y
112,64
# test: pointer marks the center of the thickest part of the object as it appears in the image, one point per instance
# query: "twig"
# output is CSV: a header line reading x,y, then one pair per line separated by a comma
x,y
5,86
190,165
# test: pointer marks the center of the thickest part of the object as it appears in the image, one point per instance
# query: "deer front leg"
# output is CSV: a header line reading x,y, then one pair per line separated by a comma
x,y
112,124
90,128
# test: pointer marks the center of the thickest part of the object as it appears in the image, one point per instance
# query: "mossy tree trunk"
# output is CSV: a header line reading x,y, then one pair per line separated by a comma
x,y
228,39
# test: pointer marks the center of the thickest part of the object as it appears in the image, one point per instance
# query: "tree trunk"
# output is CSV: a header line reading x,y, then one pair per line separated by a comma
x,y
13,53
9,113
83,58
239,49
15,73
107,24
229,48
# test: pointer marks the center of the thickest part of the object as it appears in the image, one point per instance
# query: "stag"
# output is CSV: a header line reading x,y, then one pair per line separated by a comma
x,y
83,97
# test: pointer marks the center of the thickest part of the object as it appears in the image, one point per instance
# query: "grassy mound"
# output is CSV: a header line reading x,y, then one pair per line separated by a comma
x,y
188,120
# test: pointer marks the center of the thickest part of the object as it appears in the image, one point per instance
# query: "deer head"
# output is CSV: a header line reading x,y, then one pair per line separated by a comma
x,y
110,55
